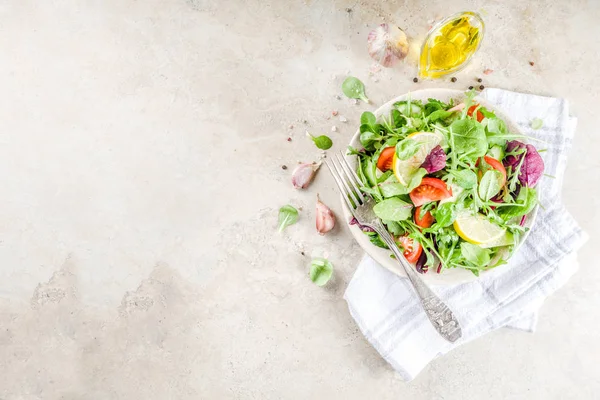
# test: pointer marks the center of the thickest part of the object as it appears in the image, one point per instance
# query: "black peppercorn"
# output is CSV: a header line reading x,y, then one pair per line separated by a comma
x,y
284,167
453,79
470,87
481,87
479,80
415,80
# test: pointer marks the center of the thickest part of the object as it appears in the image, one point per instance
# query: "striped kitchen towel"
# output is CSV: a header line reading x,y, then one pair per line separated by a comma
x,y
386,308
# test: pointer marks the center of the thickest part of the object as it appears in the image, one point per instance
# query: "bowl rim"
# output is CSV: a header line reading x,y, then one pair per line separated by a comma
x,y
382,256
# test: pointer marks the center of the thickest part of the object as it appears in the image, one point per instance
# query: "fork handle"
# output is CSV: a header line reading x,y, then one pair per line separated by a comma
x,y
440,315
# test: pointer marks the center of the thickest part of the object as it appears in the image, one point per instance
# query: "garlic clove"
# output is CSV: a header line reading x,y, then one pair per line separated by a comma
x,y
387,44
304,174
325,218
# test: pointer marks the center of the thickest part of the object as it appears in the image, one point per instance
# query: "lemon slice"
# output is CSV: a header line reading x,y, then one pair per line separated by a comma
x,y
505,240
477,229
406,169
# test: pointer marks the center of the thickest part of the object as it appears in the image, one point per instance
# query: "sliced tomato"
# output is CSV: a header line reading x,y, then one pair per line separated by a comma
x,y
497,165
424,222
430,189
386,157
471,110
412,249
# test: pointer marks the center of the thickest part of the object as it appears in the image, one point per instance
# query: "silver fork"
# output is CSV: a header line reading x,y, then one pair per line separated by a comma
x,y
361,206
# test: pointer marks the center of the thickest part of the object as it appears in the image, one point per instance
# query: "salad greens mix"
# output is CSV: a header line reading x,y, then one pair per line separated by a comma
x,y
452,184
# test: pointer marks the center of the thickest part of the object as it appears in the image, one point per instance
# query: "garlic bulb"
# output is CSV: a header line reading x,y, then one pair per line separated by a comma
x,y
304,174
387,44
325,218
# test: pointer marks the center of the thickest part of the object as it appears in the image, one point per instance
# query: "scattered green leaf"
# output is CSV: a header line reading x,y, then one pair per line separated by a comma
x,y
322,142
354,89
536,123
321,271
288,215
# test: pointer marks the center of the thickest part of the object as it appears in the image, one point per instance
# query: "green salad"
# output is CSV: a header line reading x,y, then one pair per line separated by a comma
x,y
452,184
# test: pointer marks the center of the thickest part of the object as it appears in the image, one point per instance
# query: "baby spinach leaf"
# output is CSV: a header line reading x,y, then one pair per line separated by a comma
x,y
469,138
465,178
393,209
438,115
322,142
407,148
490,184
354,89
394,227
496,131
368,139
416,179
288,215
321,271
392,189
368,118
475,254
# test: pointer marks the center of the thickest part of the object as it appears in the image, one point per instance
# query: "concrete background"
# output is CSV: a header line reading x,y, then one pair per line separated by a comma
x,y
141,145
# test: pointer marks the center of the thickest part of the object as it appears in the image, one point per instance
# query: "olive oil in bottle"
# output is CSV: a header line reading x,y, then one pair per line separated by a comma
x,y
450,45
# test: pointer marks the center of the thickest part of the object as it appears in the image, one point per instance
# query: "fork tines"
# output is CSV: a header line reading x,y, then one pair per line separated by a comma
x,y
346,179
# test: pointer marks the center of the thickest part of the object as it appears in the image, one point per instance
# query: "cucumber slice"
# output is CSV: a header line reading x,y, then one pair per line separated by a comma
x,y
496,152
415,109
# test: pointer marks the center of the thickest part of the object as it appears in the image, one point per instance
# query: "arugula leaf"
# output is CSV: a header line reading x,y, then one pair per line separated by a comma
x,y
526,201
469,138
321,271
322,142
354,89
393,209
490,184
288,215
376,239
465,178
475,254
444,215
407,148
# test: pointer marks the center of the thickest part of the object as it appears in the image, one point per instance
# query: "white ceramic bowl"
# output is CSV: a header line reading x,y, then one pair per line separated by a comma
x,y
382,256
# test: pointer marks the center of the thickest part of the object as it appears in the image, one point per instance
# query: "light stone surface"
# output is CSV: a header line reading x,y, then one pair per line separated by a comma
x,y
141,145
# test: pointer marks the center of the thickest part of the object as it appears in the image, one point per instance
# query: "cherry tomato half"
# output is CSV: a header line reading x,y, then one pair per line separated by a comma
x,y
384,162
424,222
497,165
471,110
412,249
430,189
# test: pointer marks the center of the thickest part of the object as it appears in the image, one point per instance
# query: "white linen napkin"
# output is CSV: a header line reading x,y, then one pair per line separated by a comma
x,y
387,310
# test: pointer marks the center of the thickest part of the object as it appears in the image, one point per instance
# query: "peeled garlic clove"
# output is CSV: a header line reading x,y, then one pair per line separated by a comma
x,y
387,44
325,218
304,174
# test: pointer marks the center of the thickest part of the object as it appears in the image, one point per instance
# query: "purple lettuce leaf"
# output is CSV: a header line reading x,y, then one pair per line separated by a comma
x,y
435,160
532,168
363,228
